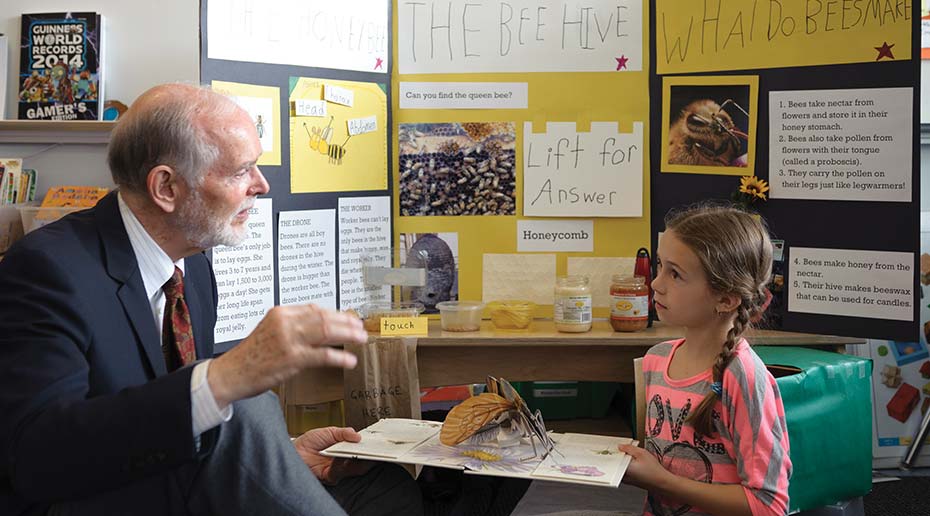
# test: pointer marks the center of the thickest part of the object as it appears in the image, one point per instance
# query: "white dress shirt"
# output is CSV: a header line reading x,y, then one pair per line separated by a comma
x,y
156,268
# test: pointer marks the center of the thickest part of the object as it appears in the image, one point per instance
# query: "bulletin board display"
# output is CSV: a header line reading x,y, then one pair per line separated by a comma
x,y
521,144
315,79
821,106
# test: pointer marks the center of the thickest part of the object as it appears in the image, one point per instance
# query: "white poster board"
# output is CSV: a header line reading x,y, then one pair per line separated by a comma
x,y
307,257
854,283
364,240
245,277
339,35
567,173
841,145
519,36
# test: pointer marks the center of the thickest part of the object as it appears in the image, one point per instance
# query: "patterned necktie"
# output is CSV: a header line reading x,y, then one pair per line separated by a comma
x,y
177,334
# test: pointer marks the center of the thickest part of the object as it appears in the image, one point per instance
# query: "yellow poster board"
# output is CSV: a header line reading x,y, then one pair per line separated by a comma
x,y
619,96
708,36
709,124
263,103
324,156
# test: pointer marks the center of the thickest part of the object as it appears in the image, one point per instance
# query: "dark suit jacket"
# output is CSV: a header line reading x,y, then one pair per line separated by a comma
x,y
86,405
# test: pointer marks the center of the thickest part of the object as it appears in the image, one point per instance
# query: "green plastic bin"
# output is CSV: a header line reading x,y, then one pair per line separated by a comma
x,y
568,400
828,408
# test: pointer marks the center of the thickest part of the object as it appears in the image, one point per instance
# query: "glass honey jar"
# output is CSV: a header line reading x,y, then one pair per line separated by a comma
x,y
629,309
572,307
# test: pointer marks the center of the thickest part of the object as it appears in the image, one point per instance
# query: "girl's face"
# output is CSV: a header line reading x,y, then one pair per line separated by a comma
x,y
683,296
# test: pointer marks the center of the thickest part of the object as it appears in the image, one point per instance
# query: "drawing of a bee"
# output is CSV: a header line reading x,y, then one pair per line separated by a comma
x,y
704,134
337,152
319,137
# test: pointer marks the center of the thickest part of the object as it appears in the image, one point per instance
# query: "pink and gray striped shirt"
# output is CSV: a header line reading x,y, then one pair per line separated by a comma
x,y
750,447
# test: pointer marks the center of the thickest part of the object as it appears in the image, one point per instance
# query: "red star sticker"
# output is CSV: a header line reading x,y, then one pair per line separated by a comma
x,y
884,51
378,62
621,62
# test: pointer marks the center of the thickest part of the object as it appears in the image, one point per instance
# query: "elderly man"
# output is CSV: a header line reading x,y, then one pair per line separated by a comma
x,y
110,402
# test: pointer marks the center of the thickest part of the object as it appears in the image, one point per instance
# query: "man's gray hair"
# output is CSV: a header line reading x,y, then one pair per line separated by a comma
x,y
170,133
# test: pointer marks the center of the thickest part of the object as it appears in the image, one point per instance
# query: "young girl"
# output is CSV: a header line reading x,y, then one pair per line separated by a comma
x,y
716,441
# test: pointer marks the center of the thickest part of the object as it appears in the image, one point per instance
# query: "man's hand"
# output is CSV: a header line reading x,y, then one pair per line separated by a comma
x,y
328,469
287,340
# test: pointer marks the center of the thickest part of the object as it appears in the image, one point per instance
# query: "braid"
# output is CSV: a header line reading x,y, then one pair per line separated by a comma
x,y
702,418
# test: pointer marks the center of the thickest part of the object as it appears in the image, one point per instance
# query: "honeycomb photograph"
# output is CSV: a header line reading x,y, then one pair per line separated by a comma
x,y
449,169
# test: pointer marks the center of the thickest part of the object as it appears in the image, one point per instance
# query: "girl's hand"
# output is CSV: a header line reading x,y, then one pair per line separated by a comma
x,y
644,470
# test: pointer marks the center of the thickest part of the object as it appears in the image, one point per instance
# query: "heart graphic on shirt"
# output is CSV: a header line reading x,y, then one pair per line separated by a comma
x,y
681,459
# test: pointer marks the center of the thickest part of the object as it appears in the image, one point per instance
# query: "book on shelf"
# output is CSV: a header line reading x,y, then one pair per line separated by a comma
x,y
576,458
4,69
60,66
73,196
11,176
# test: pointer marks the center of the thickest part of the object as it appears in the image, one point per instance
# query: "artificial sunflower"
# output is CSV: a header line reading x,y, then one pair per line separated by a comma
x,y
753,187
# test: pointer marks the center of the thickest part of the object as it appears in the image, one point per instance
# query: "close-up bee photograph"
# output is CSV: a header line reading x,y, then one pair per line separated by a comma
x,y
708,125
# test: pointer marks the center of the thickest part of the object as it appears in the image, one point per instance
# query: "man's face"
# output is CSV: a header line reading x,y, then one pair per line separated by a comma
x,y
215,213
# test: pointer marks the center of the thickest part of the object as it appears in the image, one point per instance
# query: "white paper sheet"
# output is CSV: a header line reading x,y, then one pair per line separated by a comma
x,y
519,36
841,145
555,235
307,257
567,173
529,277
245,277
600,271
364,239
464,95
339,35
874,284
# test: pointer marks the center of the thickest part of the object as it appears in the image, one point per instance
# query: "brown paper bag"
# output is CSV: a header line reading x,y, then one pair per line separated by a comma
x,y
385,383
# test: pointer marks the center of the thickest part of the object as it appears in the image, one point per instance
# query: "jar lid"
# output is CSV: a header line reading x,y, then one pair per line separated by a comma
x,y
571,281
629,281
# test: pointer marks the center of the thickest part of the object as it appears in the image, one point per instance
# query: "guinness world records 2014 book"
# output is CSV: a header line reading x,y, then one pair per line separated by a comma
x,y
60,69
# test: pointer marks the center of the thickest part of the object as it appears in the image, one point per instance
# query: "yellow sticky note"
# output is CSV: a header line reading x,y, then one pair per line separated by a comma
x,y
398,326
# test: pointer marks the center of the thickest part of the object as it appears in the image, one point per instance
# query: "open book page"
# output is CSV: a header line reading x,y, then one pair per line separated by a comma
x,y
579,458
387,438
589,459
482,459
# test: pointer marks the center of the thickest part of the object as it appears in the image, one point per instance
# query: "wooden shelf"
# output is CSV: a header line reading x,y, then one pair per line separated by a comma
x,y
538,353
52,131
542,332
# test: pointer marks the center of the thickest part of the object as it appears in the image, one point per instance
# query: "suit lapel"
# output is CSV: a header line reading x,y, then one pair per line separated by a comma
x,y
122,266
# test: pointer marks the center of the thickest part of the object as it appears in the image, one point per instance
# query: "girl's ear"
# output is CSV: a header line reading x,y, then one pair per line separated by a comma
x,y
727,303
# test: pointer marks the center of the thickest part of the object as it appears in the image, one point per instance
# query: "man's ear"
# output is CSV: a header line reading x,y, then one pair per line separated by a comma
x,y
164,188
727,303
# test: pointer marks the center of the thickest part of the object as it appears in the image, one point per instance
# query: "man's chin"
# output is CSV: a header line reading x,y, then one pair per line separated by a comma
x,y
232,238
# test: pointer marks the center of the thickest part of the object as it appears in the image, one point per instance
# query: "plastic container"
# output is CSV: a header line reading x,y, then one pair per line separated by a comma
x,y
34,217
511,315
371,313
572,305
629,309
460,315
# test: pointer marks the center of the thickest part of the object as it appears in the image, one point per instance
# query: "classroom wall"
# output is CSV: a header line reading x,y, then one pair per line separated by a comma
x,y
147,43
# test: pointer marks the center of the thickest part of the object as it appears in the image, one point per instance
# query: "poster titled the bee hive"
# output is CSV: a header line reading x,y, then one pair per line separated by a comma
x,y
530,169
338,135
